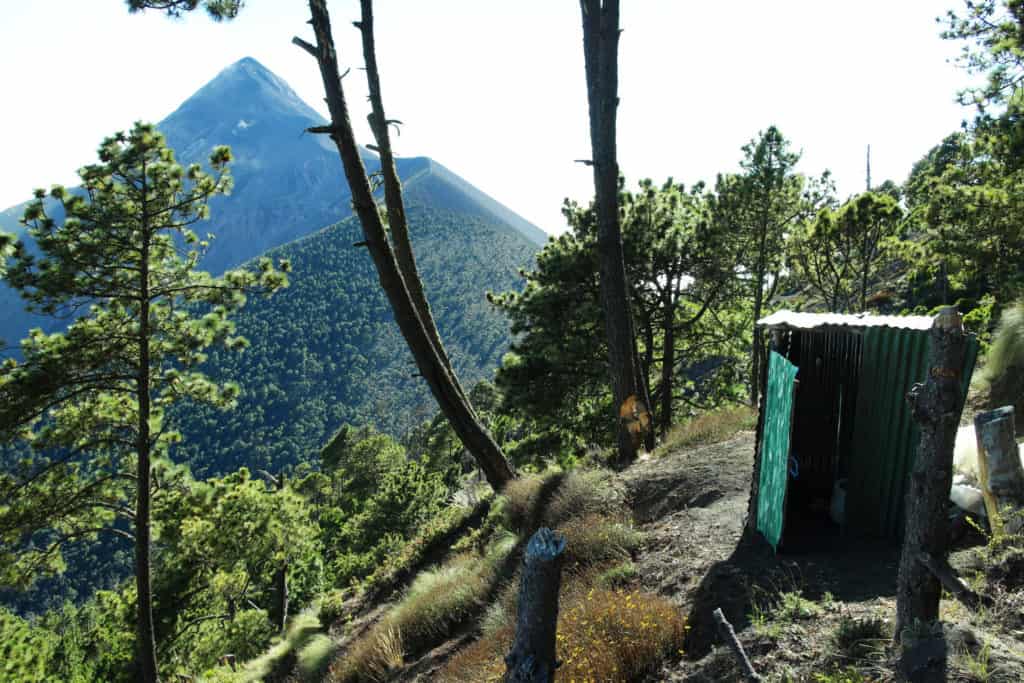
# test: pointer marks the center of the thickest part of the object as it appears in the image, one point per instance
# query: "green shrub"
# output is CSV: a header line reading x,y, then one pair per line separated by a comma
x,y
619,576
25,651
315,656
303,628
857,639
1007,348
332,606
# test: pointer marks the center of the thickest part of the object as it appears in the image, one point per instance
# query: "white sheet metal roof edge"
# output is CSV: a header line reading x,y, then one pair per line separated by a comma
x,y
809,321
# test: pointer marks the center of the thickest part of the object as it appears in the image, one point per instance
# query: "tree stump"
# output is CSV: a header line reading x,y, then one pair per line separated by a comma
x,y
532,658
1001,474
936,407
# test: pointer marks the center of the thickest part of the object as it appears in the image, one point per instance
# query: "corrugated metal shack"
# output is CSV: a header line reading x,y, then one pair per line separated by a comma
x,y
834,455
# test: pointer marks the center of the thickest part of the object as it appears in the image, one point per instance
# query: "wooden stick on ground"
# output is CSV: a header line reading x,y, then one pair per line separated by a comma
x,y
941,570
728,634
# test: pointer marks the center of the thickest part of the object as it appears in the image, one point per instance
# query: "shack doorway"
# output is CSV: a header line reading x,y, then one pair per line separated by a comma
x,y
824,412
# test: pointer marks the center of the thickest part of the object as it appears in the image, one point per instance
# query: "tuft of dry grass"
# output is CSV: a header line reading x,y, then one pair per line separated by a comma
x,y
603,635
522,498
583,492
710,427
435,604
595,538
436,535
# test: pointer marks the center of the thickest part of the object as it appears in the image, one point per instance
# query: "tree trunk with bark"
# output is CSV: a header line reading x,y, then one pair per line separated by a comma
x,y
429,361
757,348
667,371
279,615
532,657
936,406
397,222
600,51
146,634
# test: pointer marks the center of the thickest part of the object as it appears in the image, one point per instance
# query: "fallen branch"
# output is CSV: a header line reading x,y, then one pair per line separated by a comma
x,y
946,575
728,634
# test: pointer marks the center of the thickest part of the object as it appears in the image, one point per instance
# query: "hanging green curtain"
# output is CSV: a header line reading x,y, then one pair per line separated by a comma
x,y
778,407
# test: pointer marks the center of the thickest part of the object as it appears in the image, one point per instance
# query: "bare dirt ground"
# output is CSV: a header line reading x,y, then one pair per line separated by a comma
x,y
691,506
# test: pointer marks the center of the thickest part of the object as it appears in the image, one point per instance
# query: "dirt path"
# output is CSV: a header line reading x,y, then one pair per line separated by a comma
x,y
691,506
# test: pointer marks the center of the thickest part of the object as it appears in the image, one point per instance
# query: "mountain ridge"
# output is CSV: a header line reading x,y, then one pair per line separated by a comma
x,y
287,183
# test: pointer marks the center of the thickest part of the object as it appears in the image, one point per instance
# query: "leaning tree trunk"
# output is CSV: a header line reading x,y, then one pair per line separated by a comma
x,y
600,51
432,367
397,222
936,407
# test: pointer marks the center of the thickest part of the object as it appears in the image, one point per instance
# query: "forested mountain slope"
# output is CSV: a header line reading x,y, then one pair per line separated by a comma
x,y
326,350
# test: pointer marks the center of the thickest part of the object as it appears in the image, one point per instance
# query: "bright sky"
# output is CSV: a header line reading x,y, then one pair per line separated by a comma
x,y
495,90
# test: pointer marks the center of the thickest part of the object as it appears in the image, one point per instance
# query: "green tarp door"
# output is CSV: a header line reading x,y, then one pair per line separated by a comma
x,y
778,412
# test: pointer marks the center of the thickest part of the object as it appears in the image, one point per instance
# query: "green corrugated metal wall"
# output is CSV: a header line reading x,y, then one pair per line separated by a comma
x,y
778,405
886,438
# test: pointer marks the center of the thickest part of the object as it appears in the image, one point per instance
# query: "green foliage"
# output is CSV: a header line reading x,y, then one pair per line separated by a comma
x,y
370,501
434,537
330,353
682,290
978,319
125,247
224,541
994,28
620,575
218,10
25,650
968,208
332,606
1007,350
842,252
277,661
761,206
315,656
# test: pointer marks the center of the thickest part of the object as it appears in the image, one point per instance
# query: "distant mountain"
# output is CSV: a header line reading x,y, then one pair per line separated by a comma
x,y
287,183
327,351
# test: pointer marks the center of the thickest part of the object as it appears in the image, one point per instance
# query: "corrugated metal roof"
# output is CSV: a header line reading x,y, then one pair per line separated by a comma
x,y
809,321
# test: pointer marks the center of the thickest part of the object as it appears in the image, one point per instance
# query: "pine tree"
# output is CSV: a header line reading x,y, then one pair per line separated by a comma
x,y
601,59
763,205
91,401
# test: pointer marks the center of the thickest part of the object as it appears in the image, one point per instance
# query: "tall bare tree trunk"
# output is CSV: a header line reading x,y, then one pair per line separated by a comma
x,y
432,367
600,51
936,406
146,634
380,124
